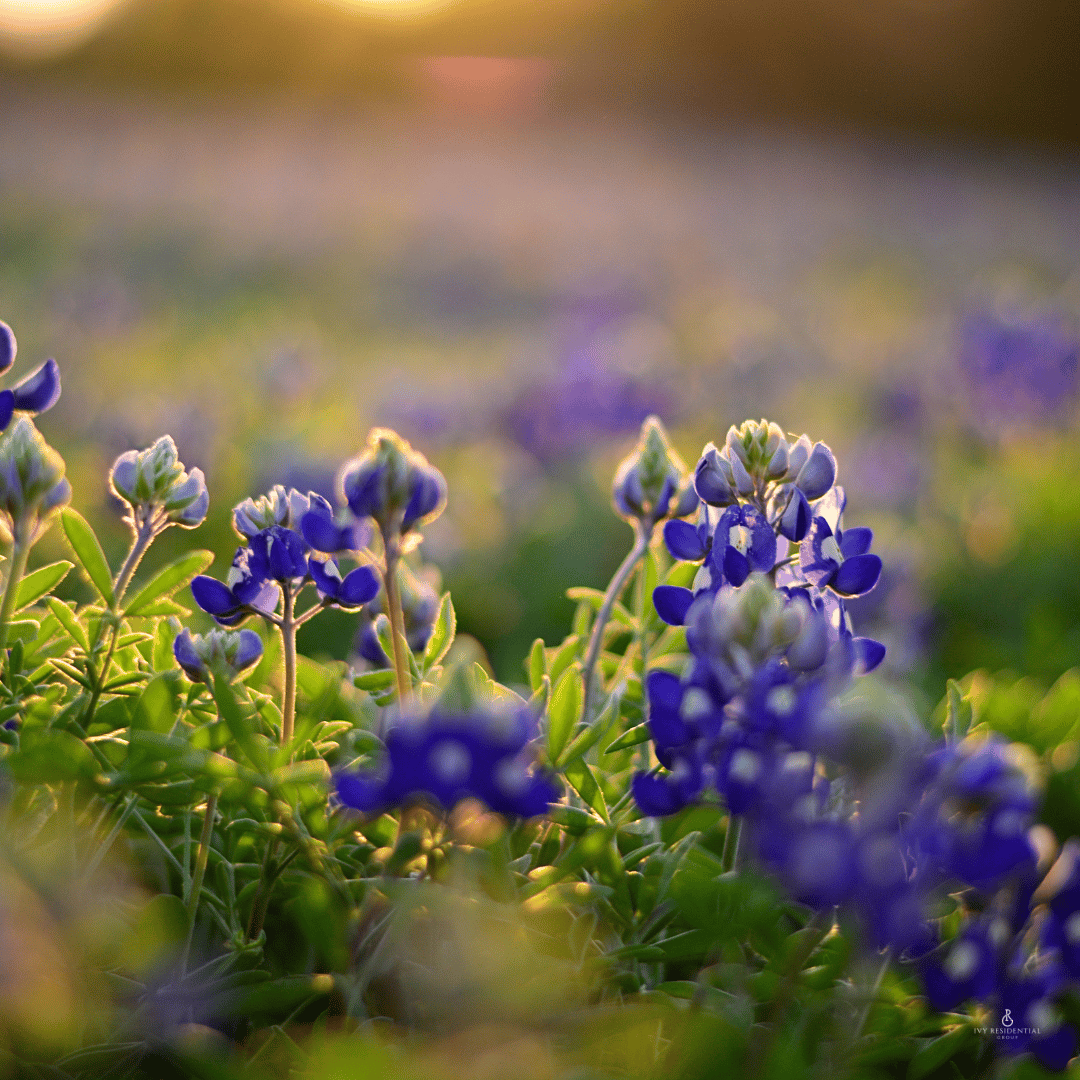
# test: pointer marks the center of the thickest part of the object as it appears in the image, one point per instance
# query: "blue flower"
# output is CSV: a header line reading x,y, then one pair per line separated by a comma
x,y
969,967
353,590
278,554
449,757
36,393
246,591
324,531
158,490
651,483
834,558
744,541
393,484
202,655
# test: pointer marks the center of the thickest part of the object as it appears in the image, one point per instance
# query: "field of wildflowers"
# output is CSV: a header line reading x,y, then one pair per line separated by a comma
x,y
451,734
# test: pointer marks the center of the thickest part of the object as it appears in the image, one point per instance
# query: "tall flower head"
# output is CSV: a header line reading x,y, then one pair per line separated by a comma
x,y
32,482
393,484
38,392
158,489
652,482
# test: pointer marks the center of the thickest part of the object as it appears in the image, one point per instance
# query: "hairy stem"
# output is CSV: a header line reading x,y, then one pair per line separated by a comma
x,y
642,536
397,622
20,552
288,648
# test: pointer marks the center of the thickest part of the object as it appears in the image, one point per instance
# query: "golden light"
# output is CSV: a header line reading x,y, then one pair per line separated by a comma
x,y
50,27
396,9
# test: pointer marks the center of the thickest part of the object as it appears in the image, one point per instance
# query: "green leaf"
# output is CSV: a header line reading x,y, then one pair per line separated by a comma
x,y
91,559
630,738
164,606
229,710
47,757
595,599
584,783
22,630
587,738
169,580
682,574
374,680
66,617
935,1053
443,635
158,704
565,710
564,657
34,586
536,666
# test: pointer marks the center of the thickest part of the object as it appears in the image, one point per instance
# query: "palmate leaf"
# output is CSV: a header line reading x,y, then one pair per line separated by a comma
x,y
87,550
168,580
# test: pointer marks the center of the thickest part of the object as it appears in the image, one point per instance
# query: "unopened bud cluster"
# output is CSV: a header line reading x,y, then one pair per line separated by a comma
x,y
32,482
158,489
652,483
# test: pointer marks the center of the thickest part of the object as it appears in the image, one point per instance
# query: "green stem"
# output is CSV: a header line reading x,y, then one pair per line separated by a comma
x,y
288,648
144,537
20,552
397,622
642,536
262,897
201,858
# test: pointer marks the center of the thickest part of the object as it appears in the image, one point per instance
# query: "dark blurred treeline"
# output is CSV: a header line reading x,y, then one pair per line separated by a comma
x,y
986,68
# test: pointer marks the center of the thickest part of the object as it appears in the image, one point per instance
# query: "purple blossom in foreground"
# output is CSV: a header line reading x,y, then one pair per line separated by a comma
x,y
203,655
449,757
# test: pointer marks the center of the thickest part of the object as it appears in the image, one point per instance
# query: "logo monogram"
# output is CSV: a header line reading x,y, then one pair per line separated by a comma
x,y
1006,1019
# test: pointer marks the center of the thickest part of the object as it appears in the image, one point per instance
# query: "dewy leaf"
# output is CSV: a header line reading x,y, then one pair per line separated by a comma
x,y
36,585
565,709
84,544
443,635
168,580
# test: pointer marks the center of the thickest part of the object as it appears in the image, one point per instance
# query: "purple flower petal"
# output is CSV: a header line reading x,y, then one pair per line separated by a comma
x,y
40,390
857,575
672,603
856,542
8,347
212,596
683,541
359,587
7,408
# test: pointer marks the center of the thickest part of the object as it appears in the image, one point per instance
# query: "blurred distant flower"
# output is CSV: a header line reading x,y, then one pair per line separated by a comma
x,y
1021,368
448,757
36,393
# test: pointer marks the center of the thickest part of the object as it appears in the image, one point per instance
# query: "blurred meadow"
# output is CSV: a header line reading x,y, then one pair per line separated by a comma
x,y
264,228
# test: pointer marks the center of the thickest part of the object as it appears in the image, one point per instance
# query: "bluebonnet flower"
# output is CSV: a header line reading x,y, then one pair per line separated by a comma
x,y
158,490
419,608
831,557
278,554
36,393
449,757
353,590
32,482
651,483
393,484
244,592
327,532
203,655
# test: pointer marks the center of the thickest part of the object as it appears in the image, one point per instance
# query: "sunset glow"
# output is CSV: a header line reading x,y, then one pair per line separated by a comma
x,y
45,27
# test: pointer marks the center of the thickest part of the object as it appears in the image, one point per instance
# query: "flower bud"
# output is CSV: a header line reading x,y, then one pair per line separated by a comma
x,y
154,483
652,483
32,480
713,478
226,651
393,484
253,515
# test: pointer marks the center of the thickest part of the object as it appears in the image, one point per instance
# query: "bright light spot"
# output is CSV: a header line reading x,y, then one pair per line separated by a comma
x,y
405,9
49,27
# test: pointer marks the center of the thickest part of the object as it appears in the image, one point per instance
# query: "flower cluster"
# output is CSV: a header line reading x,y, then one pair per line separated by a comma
x,y
38,392
652,484
278,556
447,757
759,494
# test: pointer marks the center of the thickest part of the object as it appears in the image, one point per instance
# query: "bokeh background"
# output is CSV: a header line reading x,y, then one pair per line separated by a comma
x,y
513,230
